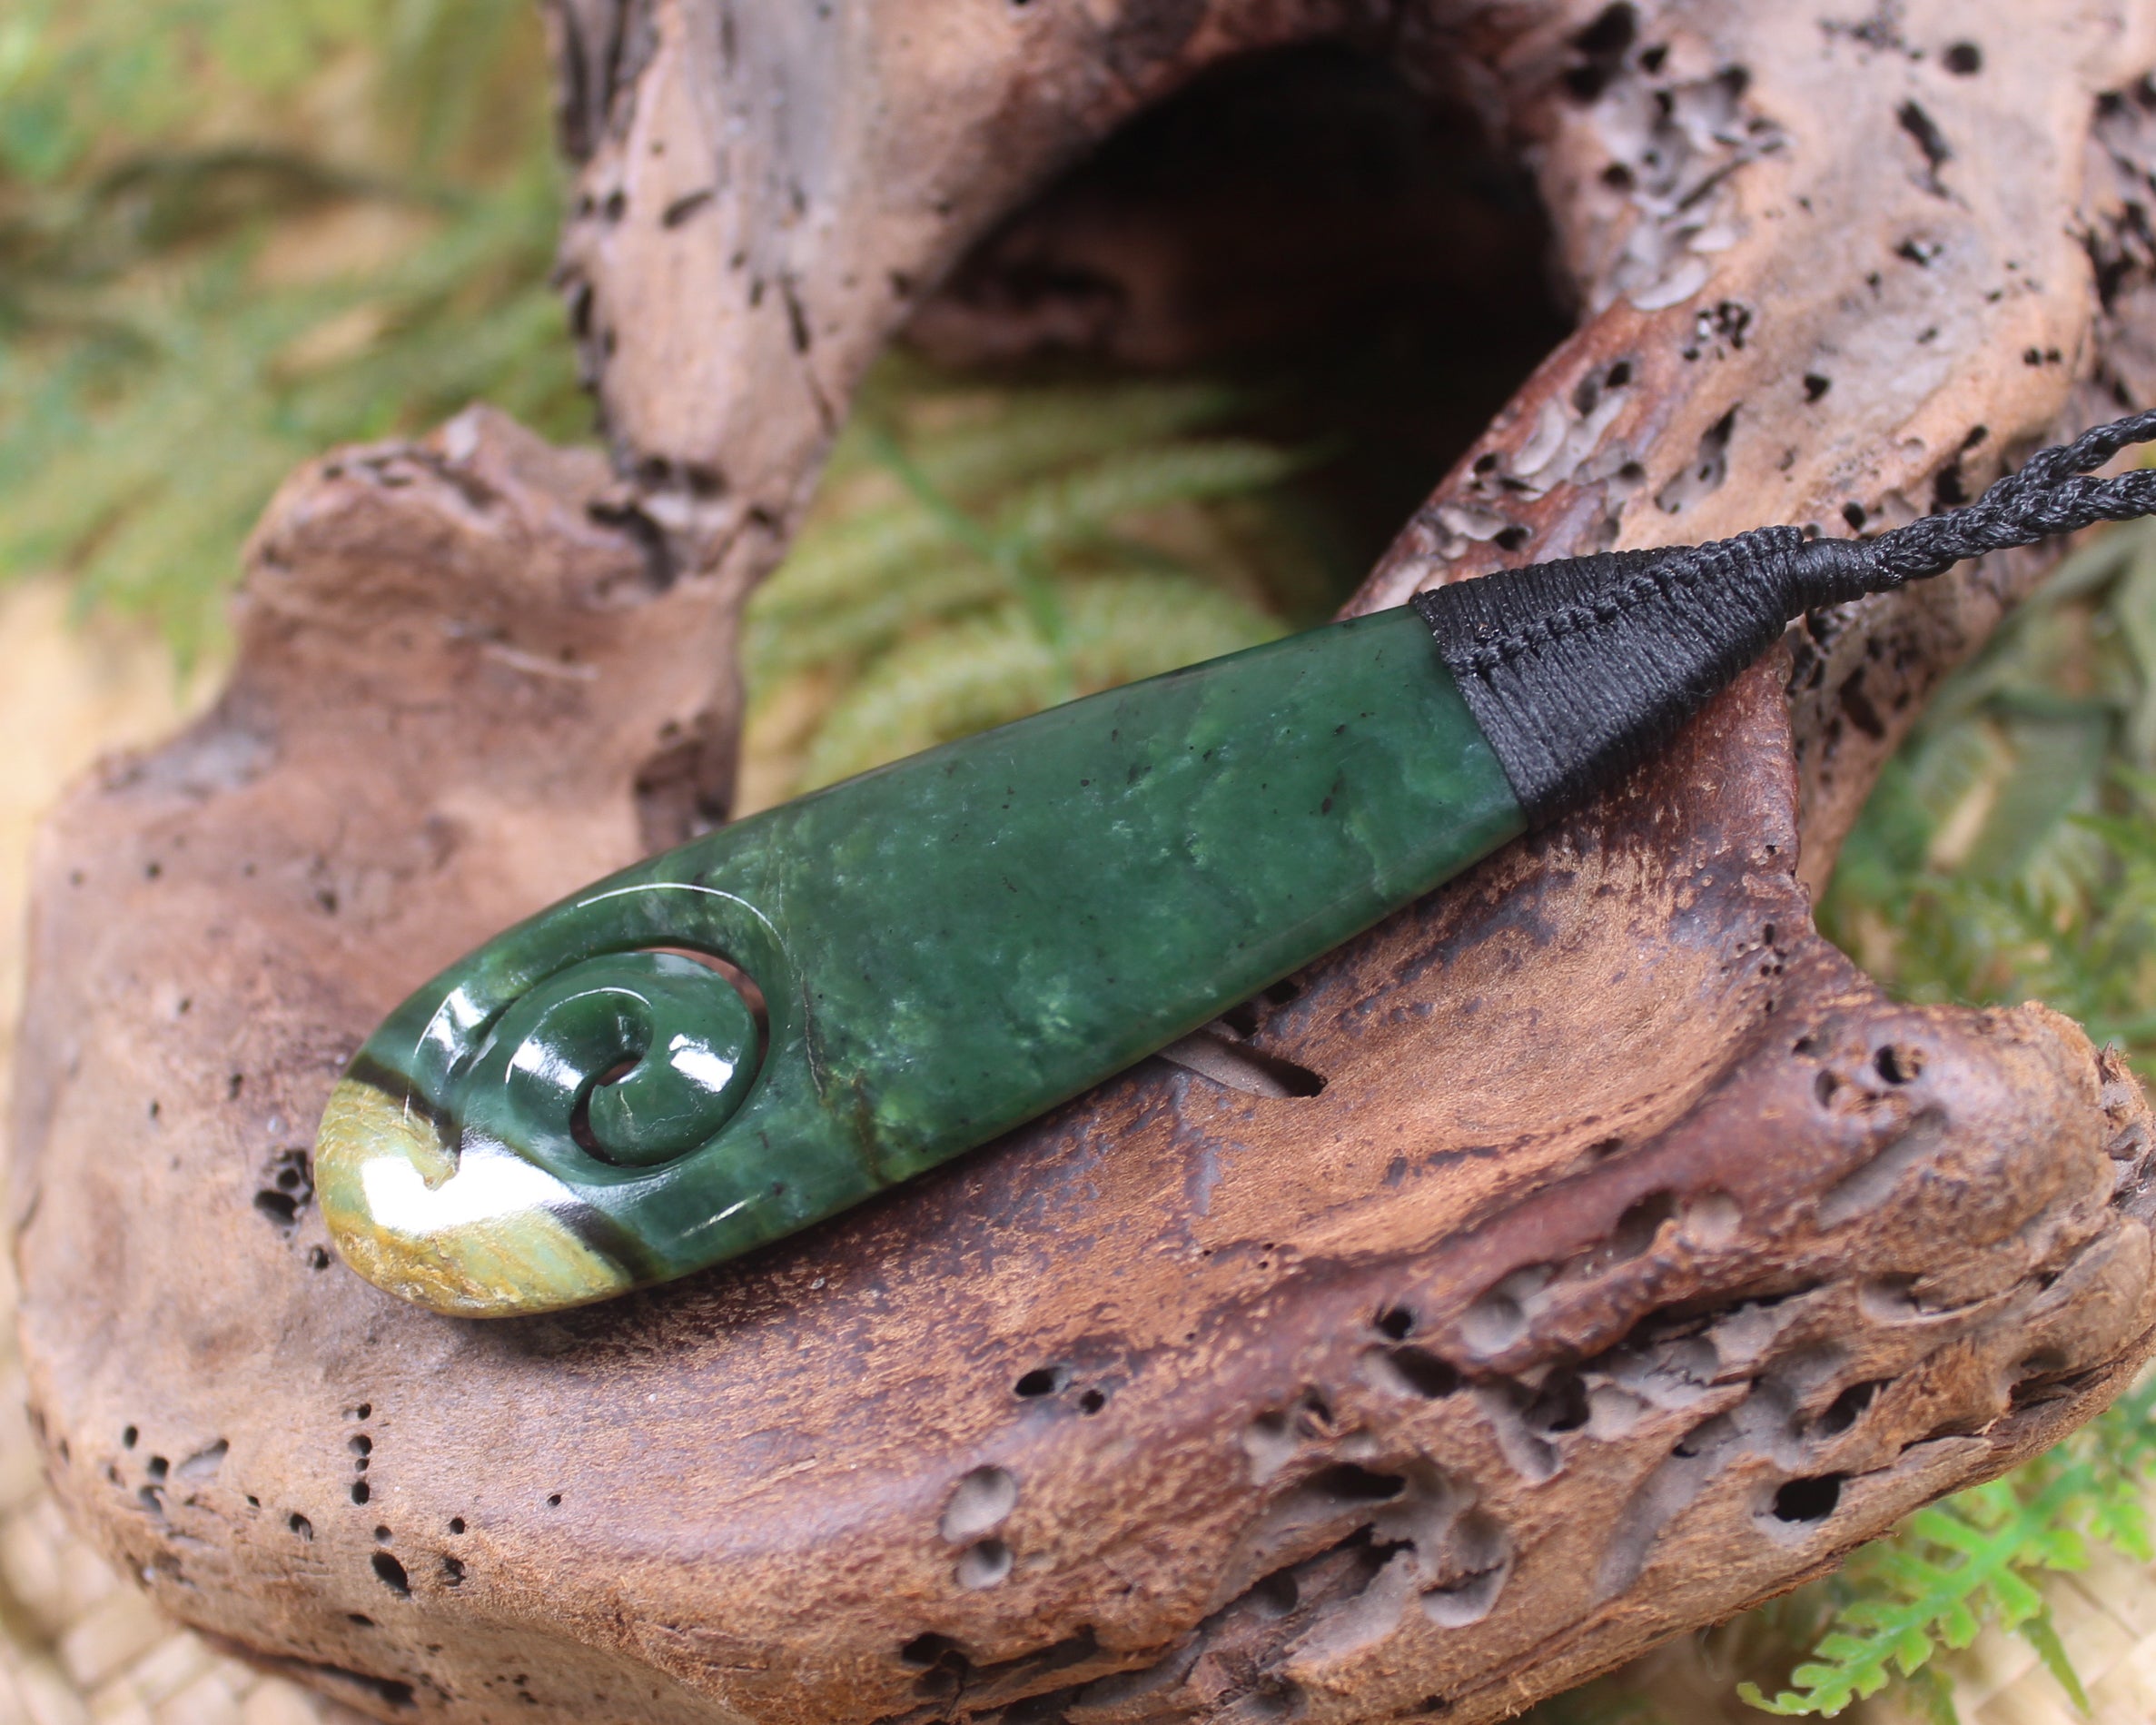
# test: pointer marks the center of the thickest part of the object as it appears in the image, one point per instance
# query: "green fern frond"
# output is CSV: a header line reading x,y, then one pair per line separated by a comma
x,y
995,667
968,445
1073,506
974,555
974,443
175,332
848,578
1971,1559
2042,1634
1933,1695
2009,851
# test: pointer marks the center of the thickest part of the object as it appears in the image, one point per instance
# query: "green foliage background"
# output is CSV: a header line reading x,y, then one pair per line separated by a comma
x,y
233,233
978,551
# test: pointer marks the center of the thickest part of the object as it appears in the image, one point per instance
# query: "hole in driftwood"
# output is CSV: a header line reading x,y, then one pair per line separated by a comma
x,y
205,1463
391,1575
1499,1317
942,1662
1308,211
1898,1065
1483,1554
1714,1218
1702,476
1634,1234
278,1206
1872,1184
1559,1405
1043,1380
2038,1375
1665,1494
1808,1500
1396,1322
927,1649
984,1498
1889,1299
1269,1441
1601,46
1345,1483
1847,1409
1923,131
287,1185
1506,1405
1421,1372
390,1691
984,1564
1236,1065
940,1682
1641,1220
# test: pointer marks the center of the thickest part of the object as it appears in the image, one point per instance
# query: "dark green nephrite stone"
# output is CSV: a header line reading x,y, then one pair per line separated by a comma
x,y
944,948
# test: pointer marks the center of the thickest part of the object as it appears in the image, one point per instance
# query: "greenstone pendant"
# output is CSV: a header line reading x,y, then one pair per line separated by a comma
x,y
951,944
945,948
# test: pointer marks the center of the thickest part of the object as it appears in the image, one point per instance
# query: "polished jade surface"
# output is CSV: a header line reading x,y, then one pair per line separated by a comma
x,y
944,947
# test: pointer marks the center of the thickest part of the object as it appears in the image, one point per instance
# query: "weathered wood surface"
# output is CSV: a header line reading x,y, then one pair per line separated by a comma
x,y
1636,1257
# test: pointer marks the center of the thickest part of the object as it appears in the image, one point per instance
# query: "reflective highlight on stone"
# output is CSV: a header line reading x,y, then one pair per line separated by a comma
x,y
477,1240
946,947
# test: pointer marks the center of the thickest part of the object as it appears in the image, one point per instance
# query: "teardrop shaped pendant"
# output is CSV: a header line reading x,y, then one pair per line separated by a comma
x,y
943,949
947,947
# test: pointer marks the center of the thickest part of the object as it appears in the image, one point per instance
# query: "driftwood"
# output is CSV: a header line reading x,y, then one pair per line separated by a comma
x,y
1636,1257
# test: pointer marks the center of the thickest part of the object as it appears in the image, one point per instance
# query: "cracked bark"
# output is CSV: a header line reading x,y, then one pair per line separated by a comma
x,y
1636,1257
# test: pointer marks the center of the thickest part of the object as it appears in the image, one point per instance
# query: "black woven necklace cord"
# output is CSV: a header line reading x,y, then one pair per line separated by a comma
x,y
1578,669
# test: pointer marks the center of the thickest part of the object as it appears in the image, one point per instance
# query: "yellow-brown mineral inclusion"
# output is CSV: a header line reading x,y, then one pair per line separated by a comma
x,y
489,1244
944,947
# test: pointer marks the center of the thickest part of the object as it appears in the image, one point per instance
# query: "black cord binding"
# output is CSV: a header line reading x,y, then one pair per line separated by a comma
x,y
1576,671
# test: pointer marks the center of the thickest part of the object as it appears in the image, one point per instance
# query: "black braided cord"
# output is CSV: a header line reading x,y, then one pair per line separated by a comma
x,y
1578,669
